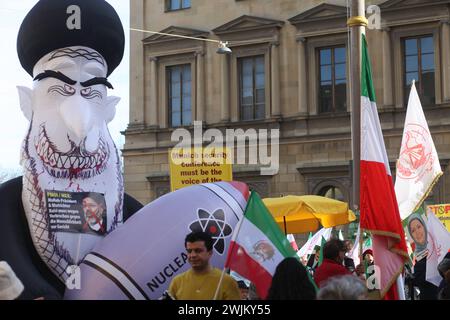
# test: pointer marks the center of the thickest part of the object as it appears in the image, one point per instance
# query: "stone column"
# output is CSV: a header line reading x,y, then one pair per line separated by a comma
x,y
388,99
302,79
275,76
225,89
153,107
137,67
445,56
200,86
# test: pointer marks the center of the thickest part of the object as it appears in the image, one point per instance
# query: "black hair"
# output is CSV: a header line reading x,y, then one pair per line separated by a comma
x,y
200,236
291,282
98,198
242,284
332,248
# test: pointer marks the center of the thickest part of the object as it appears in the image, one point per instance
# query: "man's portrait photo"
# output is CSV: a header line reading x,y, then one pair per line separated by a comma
x,y
94,209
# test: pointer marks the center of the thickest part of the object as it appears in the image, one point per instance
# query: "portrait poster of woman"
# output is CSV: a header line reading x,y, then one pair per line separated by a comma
x,y
417,232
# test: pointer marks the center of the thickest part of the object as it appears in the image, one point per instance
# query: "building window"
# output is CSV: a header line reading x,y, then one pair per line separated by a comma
x,y
252,88
332,80
172,5
418,53
179,95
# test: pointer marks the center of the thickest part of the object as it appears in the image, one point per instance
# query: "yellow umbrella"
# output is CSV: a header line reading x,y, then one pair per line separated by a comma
x,y
299,214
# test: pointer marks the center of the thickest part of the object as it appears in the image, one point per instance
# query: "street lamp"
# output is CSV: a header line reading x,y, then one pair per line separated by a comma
x,y
222,45
223,48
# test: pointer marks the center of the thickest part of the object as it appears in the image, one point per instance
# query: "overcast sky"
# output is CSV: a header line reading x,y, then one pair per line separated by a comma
x,y
13,124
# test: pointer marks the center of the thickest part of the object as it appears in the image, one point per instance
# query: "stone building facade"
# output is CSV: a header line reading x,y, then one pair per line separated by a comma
x,y
289,70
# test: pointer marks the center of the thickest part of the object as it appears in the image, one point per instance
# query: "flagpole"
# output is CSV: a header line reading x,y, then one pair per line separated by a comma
x,y
357,23
230,251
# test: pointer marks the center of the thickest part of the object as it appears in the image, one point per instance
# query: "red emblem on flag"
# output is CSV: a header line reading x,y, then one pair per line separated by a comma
x,y
416,157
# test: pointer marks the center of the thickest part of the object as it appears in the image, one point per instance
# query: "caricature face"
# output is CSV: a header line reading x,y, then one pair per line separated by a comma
x,y
417,231
92,210
70,113
68,148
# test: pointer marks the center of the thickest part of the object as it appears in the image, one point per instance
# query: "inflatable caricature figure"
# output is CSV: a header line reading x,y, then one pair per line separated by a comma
x,y
69,47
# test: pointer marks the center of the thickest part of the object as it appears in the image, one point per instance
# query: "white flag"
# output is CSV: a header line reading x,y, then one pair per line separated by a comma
x,y
437,245
354,254
418,167
315,240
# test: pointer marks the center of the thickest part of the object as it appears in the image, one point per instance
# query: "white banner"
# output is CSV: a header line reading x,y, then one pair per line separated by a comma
x,y
418,167
315,240
438,244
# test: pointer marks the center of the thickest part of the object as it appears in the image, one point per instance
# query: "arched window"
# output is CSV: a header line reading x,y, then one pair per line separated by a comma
x,y
332,192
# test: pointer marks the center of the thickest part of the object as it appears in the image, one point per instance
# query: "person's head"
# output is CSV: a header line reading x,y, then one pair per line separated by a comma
x,y
291,282
418,232
69,48
348,245
199,246
334,249
10,286
243,289
252,293
343,288
368,256
93,207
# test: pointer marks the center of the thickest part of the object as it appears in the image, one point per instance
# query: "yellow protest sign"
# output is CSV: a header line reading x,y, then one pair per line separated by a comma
x,y
189,166
442,212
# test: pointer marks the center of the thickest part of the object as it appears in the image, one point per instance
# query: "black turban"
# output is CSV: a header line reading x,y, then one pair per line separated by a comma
x,y
45,29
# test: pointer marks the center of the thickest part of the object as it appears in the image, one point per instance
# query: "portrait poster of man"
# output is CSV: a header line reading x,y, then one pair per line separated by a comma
x,y
77,212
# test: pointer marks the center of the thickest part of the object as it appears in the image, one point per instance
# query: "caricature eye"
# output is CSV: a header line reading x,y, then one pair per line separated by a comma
x,y
65,90
89,93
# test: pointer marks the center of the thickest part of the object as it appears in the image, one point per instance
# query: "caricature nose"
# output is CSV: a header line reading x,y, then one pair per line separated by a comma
x,y
76,113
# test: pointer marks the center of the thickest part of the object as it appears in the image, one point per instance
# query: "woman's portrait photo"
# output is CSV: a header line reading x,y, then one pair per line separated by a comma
x,y
418,233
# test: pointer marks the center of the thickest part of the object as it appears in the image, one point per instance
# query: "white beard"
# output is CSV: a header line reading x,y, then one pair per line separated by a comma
x,y
60,249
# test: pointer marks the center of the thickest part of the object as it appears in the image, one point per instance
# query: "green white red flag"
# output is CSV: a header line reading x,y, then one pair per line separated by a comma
x,y
258,246
379,208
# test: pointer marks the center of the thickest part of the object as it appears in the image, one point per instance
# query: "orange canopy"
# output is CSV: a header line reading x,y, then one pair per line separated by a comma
x,y
299,214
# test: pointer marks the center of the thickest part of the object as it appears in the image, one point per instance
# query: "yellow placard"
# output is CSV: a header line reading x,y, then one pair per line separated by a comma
x,y
442,212
189,166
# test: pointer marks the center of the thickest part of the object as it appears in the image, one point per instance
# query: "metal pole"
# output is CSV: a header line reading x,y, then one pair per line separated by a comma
x,y
357,23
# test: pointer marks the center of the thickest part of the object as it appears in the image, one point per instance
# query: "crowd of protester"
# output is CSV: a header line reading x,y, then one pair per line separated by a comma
x,y
333,277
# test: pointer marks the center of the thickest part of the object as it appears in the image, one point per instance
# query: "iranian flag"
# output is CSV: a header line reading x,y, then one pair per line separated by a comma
x,y
258,246
378,203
